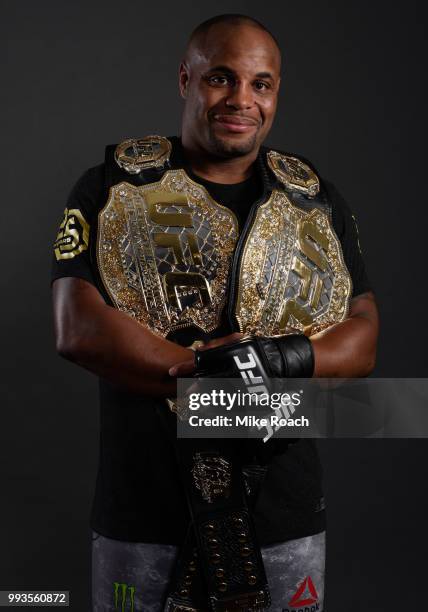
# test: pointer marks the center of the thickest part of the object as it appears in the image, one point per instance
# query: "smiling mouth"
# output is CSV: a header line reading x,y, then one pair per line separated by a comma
x,y
236,123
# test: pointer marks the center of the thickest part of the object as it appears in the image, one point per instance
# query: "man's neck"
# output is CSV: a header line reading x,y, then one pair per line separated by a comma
x,y
217,169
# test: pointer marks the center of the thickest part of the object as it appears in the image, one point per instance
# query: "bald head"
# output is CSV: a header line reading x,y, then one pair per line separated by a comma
x,y
220,27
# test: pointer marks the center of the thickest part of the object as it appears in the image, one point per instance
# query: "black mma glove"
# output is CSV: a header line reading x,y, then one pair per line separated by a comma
x,y
256,359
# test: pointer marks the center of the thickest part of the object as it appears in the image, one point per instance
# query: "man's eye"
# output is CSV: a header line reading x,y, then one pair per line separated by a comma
x,y
218,80
261,85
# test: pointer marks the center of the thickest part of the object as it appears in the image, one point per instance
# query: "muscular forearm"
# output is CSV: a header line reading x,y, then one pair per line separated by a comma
x,y
348,349
111,344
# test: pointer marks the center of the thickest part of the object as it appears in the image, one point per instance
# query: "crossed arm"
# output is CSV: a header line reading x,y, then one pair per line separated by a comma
x,y
117,348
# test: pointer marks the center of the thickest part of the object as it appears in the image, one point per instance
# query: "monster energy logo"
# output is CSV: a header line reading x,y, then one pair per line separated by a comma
x,y
121,590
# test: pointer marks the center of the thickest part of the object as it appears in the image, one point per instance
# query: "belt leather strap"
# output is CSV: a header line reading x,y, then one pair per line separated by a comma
x,y
220,567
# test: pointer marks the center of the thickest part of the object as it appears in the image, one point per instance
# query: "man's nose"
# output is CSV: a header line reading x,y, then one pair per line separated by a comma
x,y
240,96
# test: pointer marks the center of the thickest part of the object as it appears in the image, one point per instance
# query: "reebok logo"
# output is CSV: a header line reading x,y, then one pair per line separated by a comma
x,y
305,599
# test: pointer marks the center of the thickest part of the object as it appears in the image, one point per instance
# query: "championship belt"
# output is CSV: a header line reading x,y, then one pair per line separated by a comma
x,y
164,252
292,278
166,256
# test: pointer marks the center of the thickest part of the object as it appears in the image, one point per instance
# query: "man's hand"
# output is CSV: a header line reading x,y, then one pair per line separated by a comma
x,y
186,368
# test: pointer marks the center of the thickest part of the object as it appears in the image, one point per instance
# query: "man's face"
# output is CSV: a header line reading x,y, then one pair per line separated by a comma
x,y
230,84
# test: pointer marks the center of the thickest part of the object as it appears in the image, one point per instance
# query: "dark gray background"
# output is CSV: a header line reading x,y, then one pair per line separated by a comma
x,y
79,76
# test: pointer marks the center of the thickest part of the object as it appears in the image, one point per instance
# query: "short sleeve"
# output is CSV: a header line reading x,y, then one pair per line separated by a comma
x,y
77,230
345,226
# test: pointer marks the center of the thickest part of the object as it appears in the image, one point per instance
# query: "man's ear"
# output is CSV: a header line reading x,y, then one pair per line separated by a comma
x,y
183,79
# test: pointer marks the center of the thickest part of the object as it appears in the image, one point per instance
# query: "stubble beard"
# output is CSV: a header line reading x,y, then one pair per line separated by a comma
x,y
226,148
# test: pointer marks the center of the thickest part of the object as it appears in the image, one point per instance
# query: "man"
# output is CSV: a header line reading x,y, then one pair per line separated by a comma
x,y
198,238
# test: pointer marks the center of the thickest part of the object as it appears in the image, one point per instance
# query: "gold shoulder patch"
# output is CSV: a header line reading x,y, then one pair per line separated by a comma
x,y
137,154
294,173
73,235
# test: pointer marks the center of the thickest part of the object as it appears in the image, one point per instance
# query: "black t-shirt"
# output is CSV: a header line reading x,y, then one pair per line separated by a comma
x,y
138,494
237,196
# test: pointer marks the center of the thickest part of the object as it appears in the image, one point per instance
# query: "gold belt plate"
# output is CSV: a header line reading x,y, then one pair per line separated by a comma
x,y
292,277
164,252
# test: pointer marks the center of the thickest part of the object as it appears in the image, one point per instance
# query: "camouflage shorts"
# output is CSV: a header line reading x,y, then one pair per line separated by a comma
x,y
134,577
